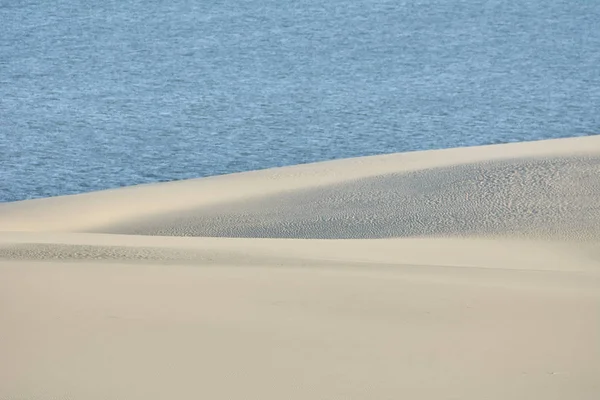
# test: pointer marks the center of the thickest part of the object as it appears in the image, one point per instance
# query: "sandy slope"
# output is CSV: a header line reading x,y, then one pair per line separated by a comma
x,y
464,274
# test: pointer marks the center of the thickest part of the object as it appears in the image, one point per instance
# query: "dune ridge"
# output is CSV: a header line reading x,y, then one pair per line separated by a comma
x,y
99,209
463,273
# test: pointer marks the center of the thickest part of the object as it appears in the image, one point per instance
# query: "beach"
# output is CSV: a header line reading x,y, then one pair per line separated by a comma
x,y
466,273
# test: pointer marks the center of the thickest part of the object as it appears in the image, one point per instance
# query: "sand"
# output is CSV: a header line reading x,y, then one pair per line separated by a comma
x,y
469,273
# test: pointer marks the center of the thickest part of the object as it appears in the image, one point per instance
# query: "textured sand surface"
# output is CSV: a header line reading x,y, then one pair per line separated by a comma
x,y
462,274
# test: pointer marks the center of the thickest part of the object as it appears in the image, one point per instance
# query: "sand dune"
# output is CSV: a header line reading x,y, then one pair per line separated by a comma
x,y
525,197
468,273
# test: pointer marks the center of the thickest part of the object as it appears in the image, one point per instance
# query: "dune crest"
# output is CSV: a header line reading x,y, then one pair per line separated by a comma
x,y
558,161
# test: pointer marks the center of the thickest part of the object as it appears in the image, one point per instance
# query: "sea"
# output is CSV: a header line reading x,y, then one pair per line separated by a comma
x,y
104,94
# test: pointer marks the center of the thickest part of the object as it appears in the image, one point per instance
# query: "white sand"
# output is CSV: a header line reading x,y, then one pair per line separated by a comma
x,y
463,274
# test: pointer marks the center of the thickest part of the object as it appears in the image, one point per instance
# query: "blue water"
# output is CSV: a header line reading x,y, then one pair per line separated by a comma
x,y
101,94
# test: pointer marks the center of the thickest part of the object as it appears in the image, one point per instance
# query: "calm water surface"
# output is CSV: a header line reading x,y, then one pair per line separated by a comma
x,y
96,95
